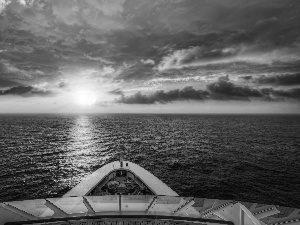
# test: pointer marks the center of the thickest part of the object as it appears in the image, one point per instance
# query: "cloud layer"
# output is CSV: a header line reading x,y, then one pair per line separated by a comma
x,y
223,89
151,50
26,91
284,79
187,93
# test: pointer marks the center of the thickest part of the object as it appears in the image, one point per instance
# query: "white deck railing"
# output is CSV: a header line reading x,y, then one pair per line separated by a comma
x,y
121,205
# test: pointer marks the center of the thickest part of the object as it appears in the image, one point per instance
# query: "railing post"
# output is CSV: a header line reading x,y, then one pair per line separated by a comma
x,y
120,203
57,211
242,216
184,207
18,211
151,204
88,206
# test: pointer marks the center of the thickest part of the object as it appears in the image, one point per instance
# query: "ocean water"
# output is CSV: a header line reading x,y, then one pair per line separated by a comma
x,y
253,158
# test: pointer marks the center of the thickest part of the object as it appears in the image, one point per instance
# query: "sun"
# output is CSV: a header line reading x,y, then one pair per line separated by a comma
x,y
85,98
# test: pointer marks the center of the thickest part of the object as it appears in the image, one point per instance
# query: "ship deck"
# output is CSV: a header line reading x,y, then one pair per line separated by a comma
x,y
89,183
83,206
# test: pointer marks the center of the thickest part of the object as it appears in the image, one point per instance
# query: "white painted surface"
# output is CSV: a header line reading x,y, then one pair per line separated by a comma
x,y
88,184
7,215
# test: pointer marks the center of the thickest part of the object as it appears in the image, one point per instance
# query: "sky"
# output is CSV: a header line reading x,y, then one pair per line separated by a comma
x,y
141,56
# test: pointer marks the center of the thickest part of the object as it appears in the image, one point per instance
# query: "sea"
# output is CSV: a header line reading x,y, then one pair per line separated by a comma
x,y
252,158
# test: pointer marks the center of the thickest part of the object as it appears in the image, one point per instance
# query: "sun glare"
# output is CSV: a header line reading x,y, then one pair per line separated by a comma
x,y
85,98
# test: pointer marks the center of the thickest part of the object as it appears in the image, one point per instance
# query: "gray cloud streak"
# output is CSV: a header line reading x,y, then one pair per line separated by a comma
x,y
284,80
187,93
27,91
223,89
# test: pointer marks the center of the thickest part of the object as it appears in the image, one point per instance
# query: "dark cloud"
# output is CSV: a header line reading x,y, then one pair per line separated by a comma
x,y
117,91
286,79
62,84
137,98
293,93
187,93
224,89
249,77
26,91
7,82
271,94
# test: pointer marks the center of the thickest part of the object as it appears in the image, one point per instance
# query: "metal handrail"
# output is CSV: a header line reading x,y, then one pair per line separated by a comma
x,y
153,217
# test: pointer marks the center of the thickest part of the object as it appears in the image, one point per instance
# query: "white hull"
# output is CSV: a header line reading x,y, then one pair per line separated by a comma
x,y
127,201
152,182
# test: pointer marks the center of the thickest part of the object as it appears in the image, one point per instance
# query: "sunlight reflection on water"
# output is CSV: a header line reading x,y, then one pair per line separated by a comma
x,y
82,136
46,155
82,149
